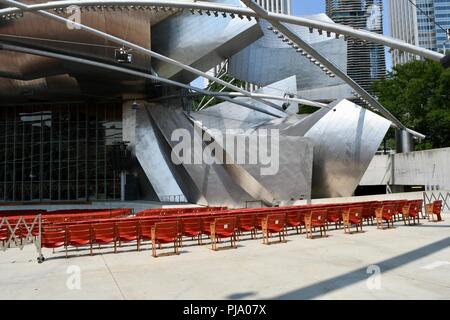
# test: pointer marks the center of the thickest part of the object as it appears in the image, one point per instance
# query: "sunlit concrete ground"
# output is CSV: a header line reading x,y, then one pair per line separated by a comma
x,y
414,263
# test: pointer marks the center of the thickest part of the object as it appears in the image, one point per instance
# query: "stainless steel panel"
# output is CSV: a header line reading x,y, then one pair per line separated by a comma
x,y
228,115
150,156
200,41
345,141
345,138
269,60
211,184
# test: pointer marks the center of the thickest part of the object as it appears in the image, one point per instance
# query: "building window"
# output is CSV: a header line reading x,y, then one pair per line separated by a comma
x,y
57,152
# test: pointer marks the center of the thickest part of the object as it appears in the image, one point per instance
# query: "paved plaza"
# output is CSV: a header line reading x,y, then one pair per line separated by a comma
x,y
414,263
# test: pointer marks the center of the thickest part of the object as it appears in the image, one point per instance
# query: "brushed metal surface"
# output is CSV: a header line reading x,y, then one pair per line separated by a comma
x,y
346,140
149,153
228,115
269,59
35,73
200,41
210,184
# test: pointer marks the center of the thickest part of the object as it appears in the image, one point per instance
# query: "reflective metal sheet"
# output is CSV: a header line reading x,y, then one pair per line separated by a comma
x,y
269,60
200,41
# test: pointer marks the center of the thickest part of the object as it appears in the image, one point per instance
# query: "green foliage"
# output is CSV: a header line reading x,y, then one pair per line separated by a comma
x,y
215,87
306,109
418,94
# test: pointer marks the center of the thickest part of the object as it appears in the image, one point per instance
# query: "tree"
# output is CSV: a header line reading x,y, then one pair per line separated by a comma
x,y
418,94
215,87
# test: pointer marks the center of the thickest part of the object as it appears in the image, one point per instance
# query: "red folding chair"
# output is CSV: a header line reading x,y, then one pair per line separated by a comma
x,y
334,215
385,213
293,220
352,216
398,210
4,235
128,231
316,219
223,228
206,225
247,223
165,232
410,212
53,237
274,223
79,236
192,228
434,209
145,229
368,212
104,233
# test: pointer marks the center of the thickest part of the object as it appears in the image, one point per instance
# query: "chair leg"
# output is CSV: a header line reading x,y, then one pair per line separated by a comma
x,y
154,249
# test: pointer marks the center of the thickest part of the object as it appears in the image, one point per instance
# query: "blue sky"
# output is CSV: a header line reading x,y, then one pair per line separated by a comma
x,y
305,7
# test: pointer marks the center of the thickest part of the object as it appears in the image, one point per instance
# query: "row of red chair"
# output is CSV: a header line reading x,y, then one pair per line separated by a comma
x,y
177,211
230,223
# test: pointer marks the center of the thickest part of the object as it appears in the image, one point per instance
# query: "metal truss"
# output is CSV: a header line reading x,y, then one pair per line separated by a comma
x,y
140,49
256,12
217,10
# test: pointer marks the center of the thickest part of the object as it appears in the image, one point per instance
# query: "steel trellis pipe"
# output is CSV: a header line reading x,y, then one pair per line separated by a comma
x,y
139,49
305,22
137,74
331,66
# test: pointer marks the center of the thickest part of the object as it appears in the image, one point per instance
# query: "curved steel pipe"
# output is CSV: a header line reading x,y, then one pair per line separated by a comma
x,y
140,49
129,72
305,22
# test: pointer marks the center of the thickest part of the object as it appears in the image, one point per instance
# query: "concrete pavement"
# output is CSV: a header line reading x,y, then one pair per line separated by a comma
x,y
414,263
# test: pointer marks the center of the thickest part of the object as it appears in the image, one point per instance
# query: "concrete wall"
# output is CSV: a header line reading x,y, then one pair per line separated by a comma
x,y
428,168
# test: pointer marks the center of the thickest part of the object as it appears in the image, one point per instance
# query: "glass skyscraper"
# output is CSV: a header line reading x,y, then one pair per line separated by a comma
x,y
442,18
428,19
366,61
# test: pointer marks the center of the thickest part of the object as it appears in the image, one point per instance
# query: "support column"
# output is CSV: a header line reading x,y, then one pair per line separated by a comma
x,y
123,177
404,141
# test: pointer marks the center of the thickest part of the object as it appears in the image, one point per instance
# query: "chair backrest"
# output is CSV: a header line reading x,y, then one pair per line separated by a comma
x,y
4,233
165,230
303,213
336,211
206,222
52,235
247,220
412,207
107,229
275,221
83,231
145,227
191,224
319,216
127,227
225,225
355,212
293,216
389,209
437,207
